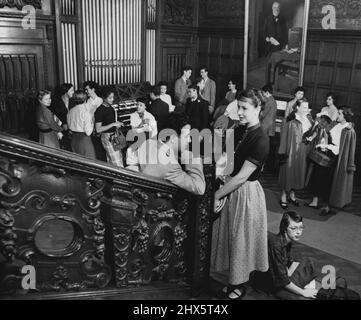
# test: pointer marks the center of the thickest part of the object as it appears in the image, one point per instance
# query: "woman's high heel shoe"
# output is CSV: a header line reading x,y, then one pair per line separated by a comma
x,y
284,205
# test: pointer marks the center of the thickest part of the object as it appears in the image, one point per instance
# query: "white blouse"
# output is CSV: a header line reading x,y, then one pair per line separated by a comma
x,y
336,133
306,124
168,99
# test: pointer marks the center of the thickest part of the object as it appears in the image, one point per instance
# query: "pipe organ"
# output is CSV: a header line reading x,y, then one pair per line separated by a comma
x,y
112,40
151,40
69,41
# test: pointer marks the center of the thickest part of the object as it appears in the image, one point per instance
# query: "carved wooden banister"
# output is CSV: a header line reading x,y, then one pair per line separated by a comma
x,y
123,228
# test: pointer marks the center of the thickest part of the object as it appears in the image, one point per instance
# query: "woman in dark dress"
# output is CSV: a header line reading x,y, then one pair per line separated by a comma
x,y
244,248
106,124
47,122
60,108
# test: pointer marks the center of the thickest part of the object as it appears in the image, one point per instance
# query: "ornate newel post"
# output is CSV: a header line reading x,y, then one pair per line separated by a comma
x,y
201,230
146,233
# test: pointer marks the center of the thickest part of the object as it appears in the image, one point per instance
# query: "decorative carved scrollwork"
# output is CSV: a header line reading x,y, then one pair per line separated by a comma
x,y
180,235
119,192
158,215
98,236
183,207
121,252
40,200
97,273
136,273
7,236
95,192
141,234
11,173
77,261
161,269
140,197
56,172
65,203
60,281
155,246
19,4
205,216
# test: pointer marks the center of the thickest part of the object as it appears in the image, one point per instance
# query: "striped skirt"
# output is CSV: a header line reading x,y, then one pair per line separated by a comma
x,y
113,157
239,241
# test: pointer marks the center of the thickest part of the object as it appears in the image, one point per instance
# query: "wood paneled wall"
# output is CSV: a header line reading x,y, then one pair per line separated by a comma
x,y
28,63
176,37
200,33
14,39
221,41
333,64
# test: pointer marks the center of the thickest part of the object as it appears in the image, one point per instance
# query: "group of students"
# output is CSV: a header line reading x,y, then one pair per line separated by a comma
x,y
76,121
240,235
86,123
317,153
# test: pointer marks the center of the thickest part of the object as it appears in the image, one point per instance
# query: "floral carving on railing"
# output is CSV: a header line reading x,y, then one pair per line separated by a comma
x,y
141,234
35,196
155,247
60,280
132,229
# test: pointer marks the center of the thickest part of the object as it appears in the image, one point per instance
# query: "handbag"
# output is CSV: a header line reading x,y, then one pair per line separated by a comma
x,y
118,140
340,293
321,158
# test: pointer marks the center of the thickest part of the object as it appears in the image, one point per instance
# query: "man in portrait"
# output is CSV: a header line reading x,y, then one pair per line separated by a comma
x,y
276,37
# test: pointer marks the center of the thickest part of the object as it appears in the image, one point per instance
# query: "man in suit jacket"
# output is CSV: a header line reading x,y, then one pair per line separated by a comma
x,y
159,109
268,123
276,37
181,89
209,89
275,30
160,159
269,114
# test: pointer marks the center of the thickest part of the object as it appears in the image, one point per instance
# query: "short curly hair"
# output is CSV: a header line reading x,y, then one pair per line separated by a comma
x,y
107,91
43,93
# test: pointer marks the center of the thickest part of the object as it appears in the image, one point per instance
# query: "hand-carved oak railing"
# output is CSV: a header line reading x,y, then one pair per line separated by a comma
x,y
84,224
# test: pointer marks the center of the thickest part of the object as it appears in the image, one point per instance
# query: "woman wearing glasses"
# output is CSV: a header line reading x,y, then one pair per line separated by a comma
x,y
289,279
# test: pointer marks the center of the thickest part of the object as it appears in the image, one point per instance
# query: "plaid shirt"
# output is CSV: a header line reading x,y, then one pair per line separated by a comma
x,y
280,259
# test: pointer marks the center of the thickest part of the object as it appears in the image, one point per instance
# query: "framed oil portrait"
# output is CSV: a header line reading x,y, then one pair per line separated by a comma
x,y
275,44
